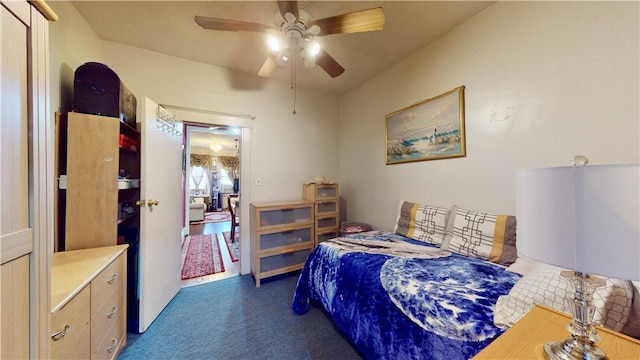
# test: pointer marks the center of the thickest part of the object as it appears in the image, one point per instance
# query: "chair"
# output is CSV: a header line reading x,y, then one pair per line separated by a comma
x,y
235,219
197,210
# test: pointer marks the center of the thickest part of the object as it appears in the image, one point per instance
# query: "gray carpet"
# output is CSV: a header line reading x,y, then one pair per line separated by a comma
x,y
232,319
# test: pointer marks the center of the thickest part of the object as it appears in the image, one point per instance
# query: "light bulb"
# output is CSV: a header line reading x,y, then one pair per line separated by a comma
x,y
314,49
274,44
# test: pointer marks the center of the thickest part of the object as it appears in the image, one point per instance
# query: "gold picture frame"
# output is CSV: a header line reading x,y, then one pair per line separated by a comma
x,y
432,129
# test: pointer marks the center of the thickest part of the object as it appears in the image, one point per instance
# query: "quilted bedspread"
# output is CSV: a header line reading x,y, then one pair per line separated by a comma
x,y
404,301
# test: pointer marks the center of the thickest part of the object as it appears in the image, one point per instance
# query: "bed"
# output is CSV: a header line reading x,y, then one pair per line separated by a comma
x,y
430,289
400,302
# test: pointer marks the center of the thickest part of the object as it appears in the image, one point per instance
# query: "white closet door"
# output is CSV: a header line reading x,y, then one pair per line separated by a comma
x,y
16,238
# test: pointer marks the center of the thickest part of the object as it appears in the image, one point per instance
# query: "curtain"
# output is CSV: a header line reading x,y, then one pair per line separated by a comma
x,y
201,160
231,163
201,180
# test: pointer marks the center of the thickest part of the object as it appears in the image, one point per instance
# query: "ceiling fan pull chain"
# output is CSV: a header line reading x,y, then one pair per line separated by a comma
x,y
294,82
293,51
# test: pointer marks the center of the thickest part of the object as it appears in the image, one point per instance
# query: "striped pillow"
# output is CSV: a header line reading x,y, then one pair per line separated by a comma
x,y
422,222
483,236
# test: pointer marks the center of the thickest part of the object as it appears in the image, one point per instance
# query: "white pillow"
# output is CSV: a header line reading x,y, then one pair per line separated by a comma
x,y
545,286
421,222
523,265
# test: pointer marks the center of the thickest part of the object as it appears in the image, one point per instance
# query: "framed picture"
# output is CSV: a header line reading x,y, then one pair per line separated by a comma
x,y
428,130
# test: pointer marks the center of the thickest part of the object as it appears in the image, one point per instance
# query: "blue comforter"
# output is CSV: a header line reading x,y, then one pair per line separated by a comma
x,y
403,306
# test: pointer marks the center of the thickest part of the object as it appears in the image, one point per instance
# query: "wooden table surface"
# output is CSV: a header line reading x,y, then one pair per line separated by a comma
x,y
72,270
526,338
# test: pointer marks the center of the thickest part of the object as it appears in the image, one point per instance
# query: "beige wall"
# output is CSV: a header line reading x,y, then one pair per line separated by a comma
x,y
544,81
72,43
286,150
283,149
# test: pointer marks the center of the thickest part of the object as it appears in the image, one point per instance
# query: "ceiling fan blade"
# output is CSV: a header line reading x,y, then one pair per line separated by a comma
x,y
268,68
288,7
329,64
229,25
358,21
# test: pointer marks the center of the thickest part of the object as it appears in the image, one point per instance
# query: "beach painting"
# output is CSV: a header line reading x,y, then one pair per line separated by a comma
x,y
428,130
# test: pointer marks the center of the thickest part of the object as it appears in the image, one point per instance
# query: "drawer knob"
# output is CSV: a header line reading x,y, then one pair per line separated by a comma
x,y
114,343
113,278
60,334
113,311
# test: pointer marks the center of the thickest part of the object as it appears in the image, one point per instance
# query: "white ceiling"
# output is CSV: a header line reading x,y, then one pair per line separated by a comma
x,y
202,138
168,27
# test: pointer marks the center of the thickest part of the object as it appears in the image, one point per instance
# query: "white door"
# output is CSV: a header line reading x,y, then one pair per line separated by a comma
x,y
160,215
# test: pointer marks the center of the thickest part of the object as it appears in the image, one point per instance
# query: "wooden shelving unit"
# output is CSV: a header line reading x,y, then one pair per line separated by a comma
x,y
90,207
94,161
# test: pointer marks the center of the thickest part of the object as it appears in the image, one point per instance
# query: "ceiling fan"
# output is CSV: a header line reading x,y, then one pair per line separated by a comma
x,y
295,32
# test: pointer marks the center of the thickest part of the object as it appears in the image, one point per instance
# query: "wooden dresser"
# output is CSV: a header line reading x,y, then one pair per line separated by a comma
x,y
88,303
326,200
281,237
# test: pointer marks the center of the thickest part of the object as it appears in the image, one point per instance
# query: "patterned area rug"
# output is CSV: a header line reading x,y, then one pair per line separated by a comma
x,y
203,256
213,217
234,247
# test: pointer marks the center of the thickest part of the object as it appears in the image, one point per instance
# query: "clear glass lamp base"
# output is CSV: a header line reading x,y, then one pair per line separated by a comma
x,y
582,342
572,349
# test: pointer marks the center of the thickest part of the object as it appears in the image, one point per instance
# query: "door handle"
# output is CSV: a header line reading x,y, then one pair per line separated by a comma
x,y
152,202
141,203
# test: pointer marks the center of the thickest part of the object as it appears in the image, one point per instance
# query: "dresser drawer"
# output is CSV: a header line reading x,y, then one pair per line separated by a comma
x,y
110,316
326,235
284,216
329,207
293,259
317,192
326,223
70,336
109,346
112,279
274,239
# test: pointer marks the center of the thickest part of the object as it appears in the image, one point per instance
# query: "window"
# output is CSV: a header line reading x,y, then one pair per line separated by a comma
x,y
199,181
224,178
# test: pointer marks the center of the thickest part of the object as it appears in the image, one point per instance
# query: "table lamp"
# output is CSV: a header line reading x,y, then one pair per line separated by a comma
x,y
584,219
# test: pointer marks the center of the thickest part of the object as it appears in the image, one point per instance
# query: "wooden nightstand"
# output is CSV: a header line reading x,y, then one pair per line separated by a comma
x,y
526,338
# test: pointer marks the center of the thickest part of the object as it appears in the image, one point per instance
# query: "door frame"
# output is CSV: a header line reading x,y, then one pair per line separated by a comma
x,y
245,123
190,128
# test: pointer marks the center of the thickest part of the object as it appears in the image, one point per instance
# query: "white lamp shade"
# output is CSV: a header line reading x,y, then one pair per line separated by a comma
x,y
583,218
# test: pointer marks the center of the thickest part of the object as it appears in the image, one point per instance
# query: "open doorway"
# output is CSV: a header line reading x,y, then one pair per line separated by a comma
x,y
211,249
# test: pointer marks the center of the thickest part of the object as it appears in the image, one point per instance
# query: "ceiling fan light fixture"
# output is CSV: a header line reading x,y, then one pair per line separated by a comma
x,y
309,49
281,58
294,24
274,43
314,49
309,63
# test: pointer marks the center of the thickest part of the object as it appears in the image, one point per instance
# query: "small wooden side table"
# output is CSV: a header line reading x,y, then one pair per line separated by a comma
x,y
526,338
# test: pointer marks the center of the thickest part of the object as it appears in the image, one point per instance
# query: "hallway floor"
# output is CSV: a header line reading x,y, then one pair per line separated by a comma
x,y
231,268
